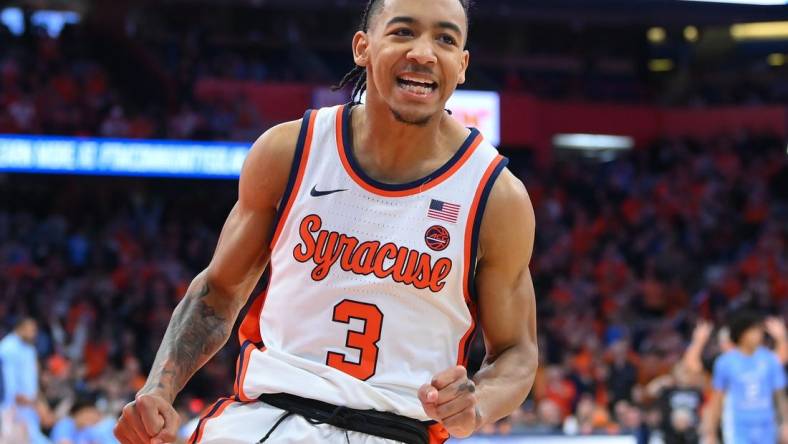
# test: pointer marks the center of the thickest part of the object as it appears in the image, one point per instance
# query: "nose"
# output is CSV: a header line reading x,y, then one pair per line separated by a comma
x,y
422,52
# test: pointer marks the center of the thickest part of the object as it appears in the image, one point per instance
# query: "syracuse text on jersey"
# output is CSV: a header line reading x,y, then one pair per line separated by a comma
x,y
325,248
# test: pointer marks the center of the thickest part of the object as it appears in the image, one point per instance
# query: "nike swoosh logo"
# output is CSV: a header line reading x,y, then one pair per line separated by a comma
x,y
316,193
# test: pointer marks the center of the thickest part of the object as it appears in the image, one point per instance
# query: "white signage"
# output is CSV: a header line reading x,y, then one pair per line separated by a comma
x,y
480,110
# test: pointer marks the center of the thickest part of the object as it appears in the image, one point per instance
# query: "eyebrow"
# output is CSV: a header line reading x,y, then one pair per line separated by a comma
x,y
410,20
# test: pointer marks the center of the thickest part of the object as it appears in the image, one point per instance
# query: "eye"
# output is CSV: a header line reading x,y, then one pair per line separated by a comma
x,y
402,32
447,39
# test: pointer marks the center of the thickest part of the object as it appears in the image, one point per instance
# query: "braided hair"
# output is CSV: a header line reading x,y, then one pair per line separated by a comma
x,y
359,74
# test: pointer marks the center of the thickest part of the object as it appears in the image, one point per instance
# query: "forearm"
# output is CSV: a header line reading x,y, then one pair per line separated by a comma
x,y
781,349
712,419
504,381
199,327
692,357
782,406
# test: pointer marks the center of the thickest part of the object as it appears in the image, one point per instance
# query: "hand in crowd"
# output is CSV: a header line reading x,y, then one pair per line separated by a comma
x,y
775,327
702,332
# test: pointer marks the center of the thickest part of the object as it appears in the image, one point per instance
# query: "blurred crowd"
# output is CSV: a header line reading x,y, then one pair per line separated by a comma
x,y
62,86
631,256
139,82
99,266
638,260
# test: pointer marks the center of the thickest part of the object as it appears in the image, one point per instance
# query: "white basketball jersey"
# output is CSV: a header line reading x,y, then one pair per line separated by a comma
x,y
370,287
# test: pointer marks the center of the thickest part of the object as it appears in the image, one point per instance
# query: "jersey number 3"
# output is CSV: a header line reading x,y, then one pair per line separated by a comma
x,y
364,341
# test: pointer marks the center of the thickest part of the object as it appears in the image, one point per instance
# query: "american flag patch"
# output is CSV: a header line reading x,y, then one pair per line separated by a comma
x,y
444,211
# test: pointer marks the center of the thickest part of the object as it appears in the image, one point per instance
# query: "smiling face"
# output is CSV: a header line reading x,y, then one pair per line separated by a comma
x,y
414,56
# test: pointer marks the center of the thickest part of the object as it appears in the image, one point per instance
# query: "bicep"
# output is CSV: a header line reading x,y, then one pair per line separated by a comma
x,y
507,309
507,302
243,248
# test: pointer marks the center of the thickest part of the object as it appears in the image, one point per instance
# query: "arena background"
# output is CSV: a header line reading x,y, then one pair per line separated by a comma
x,y
651,135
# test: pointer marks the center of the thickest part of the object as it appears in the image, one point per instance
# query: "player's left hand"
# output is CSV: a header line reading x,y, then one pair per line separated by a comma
x,y
784,434
451,400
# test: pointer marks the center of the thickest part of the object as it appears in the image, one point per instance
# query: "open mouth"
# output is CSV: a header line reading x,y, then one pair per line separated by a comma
x,y
418,87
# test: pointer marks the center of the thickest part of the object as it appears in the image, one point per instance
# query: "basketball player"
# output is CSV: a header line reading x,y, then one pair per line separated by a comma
x,y
749,388
390,231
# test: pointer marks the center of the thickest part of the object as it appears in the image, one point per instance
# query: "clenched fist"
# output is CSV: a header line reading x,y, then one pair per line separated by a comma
x,y
149,419
451,400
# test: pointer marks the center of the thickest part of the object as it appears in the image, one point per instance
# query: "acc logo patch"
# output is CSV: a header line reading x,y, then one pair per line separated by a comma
x,y
437,238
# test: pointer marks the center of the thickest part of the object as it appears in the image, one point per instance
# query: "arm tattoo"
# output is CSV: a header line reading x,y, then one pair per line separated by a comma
x,y
200,325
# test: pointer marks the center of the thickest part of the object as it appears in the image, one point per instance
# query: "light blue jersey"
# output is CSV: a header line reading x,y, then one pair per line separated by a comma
x,y
749,383
20,377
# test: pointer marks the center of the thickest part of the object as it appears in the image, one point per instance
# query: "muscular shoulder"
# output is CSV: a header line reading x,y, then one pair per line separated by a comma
x,y
267,167
509,223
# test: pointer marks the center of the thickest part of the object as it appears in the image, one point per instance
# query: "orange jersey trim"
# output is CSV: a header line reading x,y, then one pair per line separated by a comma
x,y
471,232
249,330
243,365
438,433
341,148
299,177
214,411
250,338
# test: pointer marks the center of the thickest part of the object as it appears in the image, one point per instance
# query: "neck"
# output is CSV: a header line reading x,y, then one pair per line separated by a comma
x,y
396,152
747,350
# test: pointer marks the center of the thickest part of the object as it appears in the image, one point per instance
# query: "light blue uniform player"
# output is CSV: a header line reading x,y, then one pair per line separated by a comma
x,y
20,377
749,388
749,384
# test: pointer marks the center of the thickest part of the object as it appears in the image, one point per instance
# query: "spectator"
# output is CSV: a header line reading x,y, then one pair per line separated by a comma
x,y
679,394
102,262
20,377
753,380
84,425
622,375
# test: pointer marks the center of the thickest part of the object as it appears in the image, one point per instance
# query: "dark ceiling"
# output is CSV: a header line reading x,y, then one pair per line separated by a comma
x,y
644,11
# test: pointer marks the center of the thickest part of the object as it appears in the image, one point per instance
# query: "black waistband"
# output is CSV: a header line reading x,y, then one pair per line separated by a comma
x,y
371,422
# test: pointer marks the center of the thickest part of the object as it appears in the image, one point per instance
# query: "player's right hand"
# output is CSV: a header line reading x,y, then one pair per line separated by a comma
x,y
149,419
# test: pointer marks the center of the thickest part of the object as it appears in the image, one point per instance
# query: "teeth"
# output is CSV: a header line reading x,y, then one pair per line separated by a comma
x,y
420,82
420,90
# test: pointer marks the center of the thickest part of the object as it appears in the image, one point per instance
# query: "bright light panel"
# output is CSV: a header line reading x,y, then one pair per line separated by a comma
x,y
745,2
660,65
13,19
54,21
593,142
760,31
656,34
776,59
691,34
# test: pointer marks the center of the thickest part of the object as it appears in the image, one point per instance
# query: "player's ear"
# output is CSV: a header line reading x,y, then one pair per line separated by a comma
x,y
361,48
466,57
